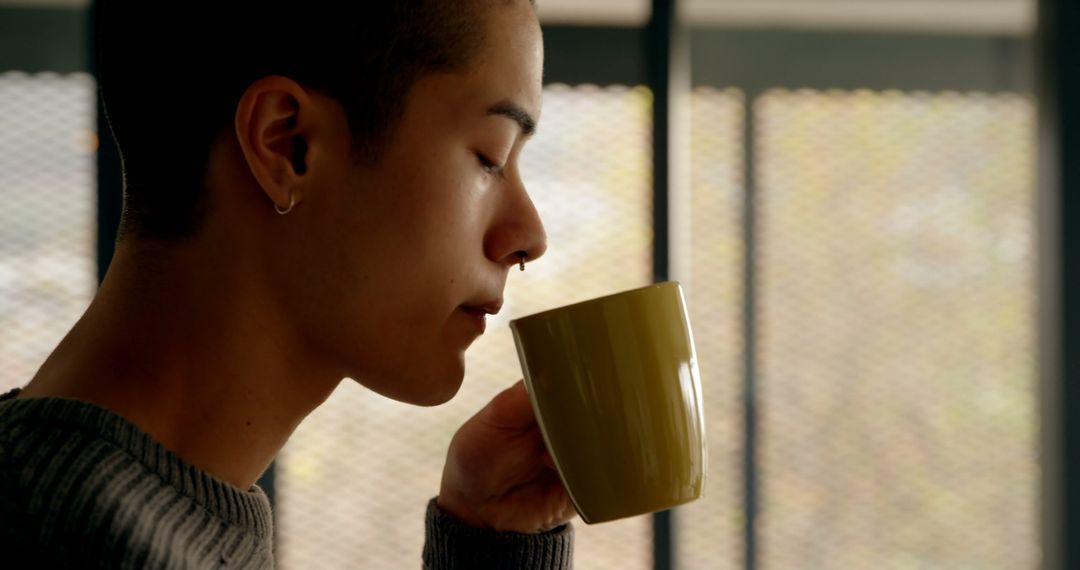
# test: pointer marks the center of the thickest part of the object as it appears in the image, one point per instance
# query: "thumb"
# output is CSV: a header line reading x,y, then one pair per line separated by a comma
x,y
510,409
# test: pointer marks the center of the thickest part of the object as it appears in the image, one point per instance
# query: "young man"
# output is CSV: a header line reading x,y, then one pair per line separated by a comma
x,y
313,191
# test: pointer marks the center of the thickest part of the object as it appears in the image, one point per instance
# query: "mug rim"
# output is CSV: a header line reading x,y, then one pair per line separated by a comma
x,y
659,285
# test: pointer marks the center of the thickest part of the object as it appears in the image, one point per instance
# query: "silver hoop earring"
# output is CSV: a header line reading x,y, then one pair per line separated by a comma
x,y
292,202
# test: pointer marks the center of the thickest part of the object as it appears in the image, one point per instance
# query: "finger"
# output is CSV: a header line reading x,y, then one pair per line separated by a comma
x,y
511,409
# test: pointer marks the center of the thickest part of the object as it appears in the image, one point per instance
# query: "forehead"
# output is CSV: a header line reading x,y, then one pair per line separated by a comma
x,y
508,68
510,62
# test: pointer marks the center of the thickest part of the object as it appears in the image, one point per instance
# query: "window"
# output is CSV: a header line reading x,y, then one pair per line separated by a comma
x,y
47,226
861,284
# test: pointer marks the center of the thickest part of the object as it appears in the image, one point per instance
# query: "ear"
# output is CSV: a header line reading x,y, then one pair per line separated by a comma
x,y
273,126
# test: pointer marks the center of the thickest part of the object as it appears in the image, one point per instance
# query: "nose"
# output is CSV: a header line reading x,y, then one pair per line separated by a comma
x,y
517,229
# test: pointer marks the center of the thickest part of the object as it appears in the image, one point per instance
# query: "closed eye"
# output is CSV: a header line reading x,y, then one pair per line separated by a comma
x,y
489,165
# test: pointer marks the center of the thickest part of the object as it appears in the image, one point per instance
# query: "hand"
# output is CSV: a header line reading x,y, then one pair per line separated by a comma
x,y
498,473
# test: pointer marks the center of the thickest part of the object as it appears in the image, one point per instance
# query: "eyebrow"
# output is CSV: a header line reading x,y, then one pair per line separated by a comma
x,y
514,112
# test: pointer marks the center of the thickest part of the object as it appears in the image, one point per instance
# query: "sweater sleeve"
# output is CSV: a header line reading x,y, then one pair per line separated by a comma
x,y
452,545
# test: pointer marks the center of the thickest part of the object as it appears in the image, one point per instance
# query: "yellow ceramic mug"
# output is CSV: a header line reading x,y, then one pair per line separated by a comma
x,y
615,387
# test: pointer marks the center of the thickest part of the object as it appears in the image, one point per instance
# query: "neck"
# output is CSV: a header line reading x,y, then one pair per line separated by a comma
x,y
190,348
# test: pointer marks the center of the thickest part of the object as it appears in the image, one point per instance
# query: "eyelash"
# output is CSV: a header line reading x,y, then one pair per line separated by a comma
x,y
489,165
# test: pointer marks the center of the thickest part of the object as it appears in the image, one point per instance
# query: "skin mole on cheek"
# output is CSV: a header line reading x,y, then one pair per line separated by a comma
x,y
248,423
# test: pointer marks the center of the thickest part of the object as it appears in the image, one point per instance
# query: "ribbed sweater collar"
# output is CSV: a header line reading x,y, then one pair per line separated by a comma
x,y
249,510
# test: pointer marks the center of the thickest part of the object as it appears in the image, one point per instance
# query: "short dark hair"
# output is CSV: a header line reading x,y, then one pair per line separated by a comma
x,y
171,77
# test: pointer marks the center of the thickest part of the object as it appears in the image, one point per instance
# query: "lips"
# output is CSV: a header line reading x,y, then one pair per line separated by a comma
x,y
477,312
483,308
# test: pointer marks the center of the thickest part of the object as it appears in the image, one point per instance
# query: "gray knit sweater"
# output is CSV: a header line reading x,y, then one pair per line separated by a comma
x,y
81,487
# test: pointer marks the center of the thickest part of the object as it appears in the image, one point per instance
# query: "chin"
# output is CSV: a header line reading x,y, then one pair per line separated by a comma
x,y
428,387
440,391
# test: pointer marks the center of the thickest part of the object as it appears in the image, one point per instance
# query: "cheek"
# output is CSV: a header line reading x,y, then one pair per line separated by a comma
x,y
413,235
378,254
436,213
372,303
